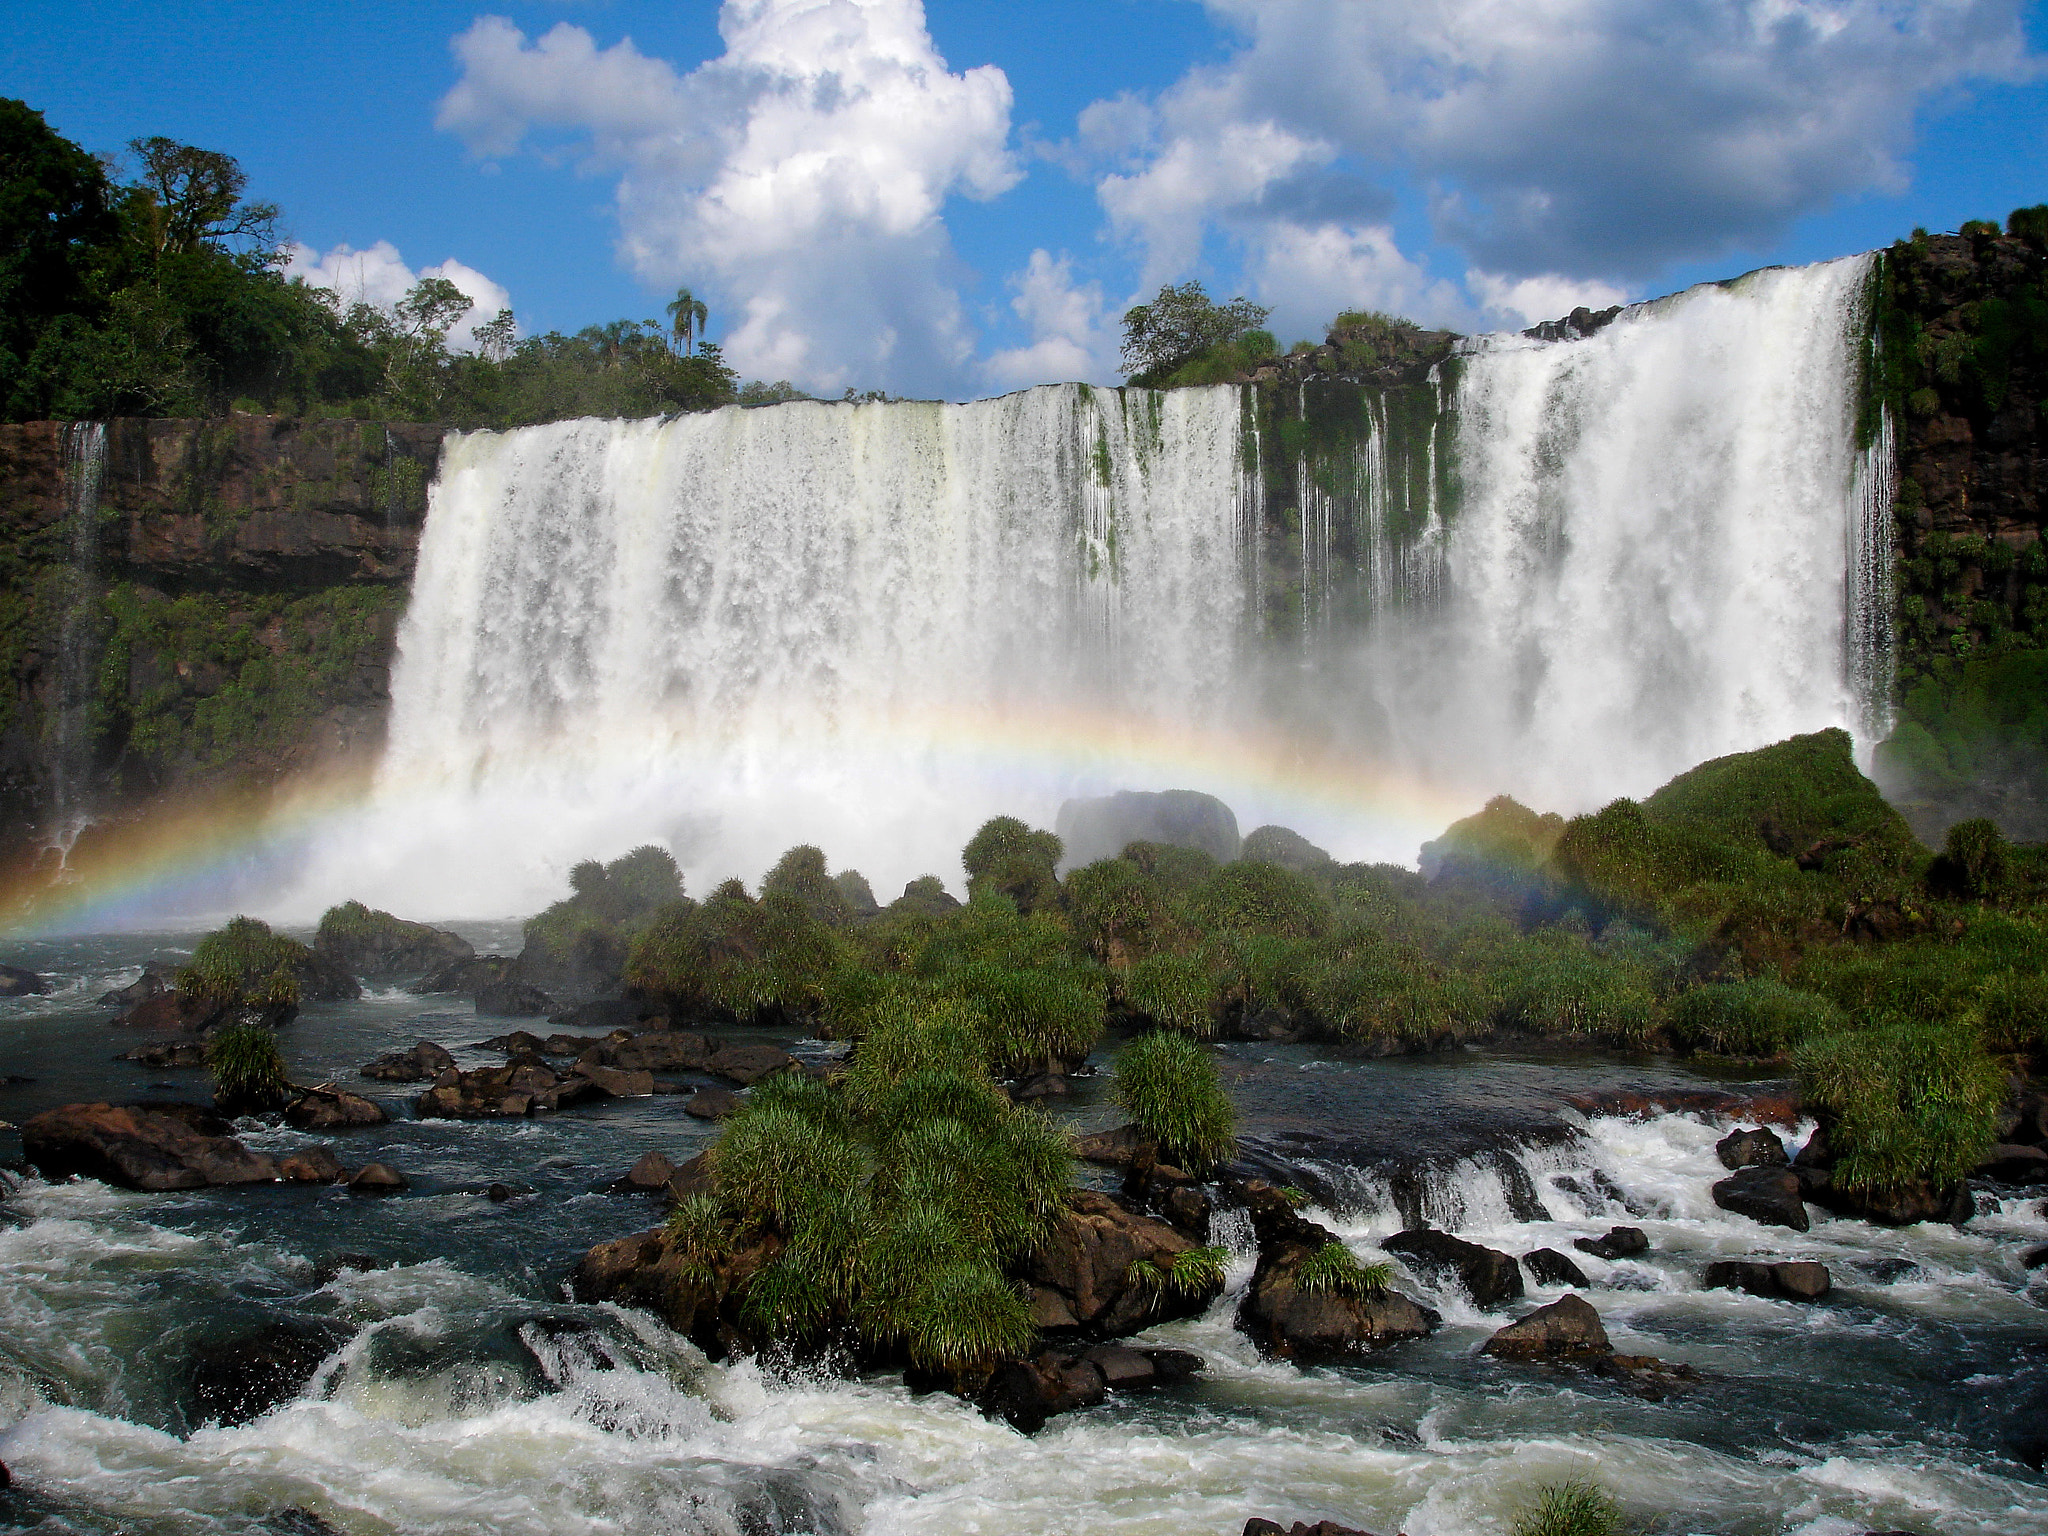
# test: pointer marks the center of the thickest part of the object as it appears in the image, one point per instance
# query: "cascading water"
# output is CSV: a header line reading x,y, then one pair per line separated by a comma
x,y
1561,570
85,459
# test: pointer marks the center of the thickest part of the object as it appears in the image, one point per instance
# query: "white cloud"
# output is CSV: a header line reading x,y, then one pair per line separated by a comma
x,y
1072,334
1591,138
1521,303
800,176
379,277
1309,273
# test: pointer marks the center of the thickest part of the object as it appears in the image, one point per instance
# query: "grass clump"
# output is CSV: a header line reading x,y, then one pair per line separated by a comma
x,y
1191,1272
587,938
1005,855
732,957
1169,1086
1176,992
1259,898
1570,1509
1759,1017
247,1068
1904,1099
1335,1270
244,965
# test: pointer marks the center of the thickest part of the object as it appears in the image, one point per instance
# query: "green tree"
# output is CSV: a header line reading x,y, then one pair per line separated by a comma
x,y
687,316
191,198
1179,326
56,223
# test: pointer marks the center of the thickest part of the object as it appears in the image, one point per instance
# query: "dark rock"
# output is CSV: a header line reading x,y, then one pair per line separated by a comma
x,y
1257,1526
299,1521
1619,1243
1767,1106
154,981
1098,828
1187,1211
244,1378
310,1165
16,982
610,1013
378,1179
1759,1148
748,1064
332,1109
385,947
137,1147
712,1103
2035,1258
693,1177
1488,1275
2010,1164
424,1061
462,975
174,1011
1308,1327
665,1050
1080,1279
1046,1085
498,1194
612,1082
1916,1201
575,1045
511,997
1798,1281
520,1042
1772,1196
1549,1267
650,1173
335,1265
168,1053
704,1304
1567,1328
1025,1393
1116,1148
514,1090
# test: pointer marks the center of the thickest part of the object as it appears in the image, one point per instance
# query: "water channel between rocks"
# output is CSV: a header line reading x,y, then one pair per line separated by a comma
x,y
461,1391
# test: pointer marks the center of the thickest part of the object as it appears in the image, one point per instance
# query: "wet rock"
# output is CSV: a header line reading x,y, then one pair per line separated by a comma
x,y
1916,1201
510,997
423,1062
1046,1085
1547,1266
611,1082
664,1050
299,1521
574,1045
1084,1269
16,982
693,1177
712,1103
1566,1329
1759,1148
154,981
2035,1258
612,1013
335,1265
2011,1164
701,1301
748,1064
1491,1277
310,1165
1025,1393
650,1173
498,1194
151,1147
168,1053
245,1377
1773,1196
1116,1148
462,975
174,1010
1257,1526
1619,1243
1767,1106
378,1179
332,1109
520,1042
1188,1212
1792,1281
512,1091
1290,1323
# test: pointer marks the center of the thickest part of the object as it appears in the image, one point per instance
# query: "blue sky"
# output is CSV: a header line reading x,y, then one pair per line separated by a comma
x,y
956,198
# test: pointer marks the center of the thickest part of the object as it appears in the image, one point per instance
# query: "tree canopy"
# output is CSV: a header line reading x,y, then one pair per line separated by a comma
x,y
1182,324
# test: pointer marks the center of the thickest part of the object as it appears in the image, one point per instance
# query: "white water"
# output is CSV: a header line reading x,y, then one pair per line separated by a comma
x,y
872,626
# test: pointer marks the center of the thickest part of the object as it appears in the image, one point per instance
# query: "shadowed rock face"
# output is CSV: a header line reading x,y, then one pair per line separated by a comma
x,y
156,1147
1181,818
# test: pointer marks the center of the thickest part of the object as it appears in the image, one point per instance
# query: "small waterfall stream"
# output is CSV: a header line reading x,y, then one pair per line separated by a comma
x,y
78,630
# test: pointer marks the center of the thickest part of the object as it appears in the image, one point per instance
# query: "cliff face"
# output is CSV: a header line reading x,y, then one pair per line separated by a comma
x,y
195,606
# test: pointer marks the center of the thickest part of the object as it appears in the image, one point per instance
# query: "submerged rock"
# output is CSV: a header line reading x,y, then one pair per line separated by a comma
x,y
1619,1243
148,1147
16,982
1547,1266
1799,1280
1773,1196
378,1179
1567,1329
167,1054
1489,1276
244,1378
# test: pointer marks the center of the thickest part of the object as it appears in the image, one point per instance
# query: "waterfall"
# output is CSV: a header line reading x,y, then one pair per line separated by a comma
x,y
71,734
1564,570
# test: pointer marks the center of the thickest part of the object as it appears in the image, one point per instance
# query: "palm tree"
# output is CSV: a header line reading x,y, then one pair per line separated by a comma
x,y
687,316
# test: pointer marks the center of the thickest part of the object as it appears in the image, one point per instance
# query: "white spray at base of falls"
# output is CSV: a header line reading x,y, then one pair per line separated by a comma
x,y
1596,563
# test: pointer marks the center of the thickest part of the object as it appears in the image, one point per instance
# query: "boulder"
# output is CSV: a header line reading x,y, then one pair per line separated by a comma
x,y
1547,1266
1080,1279
310,1165
608,1081
322,981
1285,847
712,1103
650,1173
1619,1243
1098,828
748,1064
378,1179
1116,1148
16,982
1308,1327
2008,1163
245,1377
174,1010
1773,1196
1567,1329
1492,1278
1759,1148
2035,1258
148,1147
382,946
520,1042
154,980
662,1050
1257,1526
423,1062
575,1045
1793,1281
462,975
1039,1087
1916,1201
332,1109
511,997
167,1053
630,1014
702,1302
1025,1393
514,1090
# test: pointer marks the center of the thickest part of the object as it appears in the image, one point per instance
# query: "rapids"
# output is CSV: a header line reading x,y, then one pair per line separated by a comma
x,y
464,1393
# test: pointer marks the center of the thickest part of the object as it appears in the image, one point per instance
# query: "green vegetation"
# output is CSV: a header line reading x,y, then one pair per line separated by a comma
x,y
1570,1509
1333,1268
1168,1084
589,935
1184,331
1192,1272
245,965
1908,1100
247,1068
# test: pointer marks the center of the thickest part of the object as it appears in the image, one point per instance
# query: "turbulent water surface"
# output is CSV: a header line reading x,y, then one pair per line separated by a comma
x,y
463,1393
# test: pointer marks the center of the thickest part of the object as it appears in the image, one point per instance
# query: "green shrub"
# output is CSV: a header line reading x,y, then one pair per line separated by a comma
x,y
244,964
1555,983
1191,1272
1177,871
1976,862
1118,910
247,1068
1570,1509
801,873
1758,1017
1007,856
1372,990
1262,899
1038,1016
733,955
1175,992
1333,1268
1903,1099
1169,1086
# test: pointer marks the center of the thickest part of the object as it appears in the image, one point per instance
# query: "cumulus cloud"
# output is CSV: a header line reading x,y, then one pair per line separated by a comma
x,y
1523,302
379,277
1073,335
800,176
1308,273
1567,139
